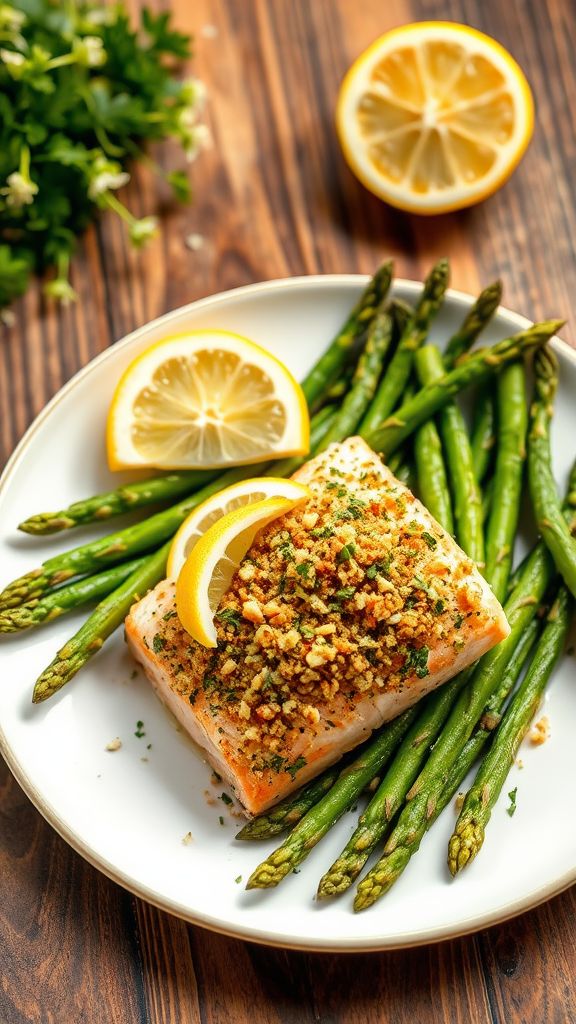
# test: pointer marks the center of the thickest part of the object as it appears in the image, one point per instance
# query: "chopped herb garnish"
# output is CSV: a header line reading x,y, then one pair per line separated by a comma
x,y
346,553
169,615
139,730
293,768
458,621
220,819
230,616
226,799
345,593
430,540
353,510
511,810
158,643
416,661
148,746
379,568
306,631
303,569
438,607
238,879
322,533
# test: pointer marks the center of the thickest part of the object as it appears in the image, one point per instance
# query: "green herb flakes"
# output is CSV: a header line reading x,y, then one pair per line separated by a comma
x,y
158,643
511,810
346,553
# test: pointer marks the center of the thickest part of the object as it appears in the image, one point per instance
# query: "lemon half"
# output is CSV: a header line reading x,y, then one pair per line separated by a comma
x,y
207,572
434,116
205,399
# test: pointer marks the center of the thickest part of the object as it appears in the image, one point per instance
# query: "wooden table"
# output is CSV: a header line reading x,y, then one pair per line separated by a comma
x,y
274,199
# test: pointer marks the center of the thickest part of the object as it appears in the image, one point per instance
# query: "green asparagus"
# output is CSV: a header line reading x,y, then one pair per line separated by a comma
x,y
320,818
105,619
292,809
484,730
375,821
429,458
508,472
114,503
63,599
396,377
422,799
483,436
474,322
547,509
474,368
468,835
365,380
467,499
392,790
328,368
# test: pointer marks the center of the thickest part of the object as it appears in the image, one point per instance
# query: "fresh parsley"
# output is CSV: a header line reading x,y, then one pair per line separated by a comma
x,y
346,553
416,661
511,810
82,92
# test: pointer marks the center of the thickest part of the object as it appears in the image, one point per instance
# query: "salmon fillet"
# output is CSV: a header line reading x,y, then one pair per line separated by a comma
x,y
344,613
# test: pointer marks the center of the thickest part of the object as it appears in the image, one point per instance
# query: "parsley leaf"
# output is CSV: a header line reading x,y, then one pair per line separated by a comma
x,y
511,810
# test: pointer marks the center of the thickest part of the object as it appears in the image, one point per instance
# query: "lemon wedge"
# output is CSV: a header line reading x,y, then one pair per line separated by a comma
x,y
205,399
434,116
245,492
210,566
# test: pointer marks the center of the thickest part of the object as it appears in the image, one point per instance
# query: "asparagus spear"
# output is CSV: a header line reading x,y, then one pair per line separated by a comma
x,y
332,806
114,503
144,536
375,821
484,730
468,835
290,811
396,377
507,480
547,509
426,792
430,467
483,431
365,380
327,369
466,495
474,322
476,367
62,600
105,618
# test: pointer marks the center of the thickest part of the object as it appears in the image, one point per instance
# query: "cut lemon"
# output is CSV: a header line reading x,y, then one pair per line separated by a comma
x,y
434,116
245,492
210,566
202,400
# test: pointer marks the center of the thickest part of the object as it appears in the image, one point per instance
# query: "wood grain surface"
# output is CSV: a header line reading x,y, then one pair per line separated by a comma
x,y
274,198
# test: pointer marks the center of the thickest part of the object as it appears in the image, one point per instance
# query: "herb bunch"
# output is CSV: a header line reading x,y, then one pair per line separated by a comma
x,y
81,93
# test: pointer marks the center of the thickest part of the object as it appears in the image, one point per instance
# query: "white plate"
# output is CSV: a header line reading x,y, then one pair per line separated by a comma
x,y
127,812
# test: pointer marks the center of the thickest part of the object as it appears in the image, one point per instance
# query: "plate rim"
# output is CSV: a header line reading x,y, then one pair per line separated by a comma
x,y
250,934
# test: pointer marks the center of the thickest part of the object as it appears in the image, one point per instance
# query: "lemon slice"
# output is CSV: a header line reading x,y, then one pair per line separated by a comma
x,y
209,568
434,116
205,399
245,492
